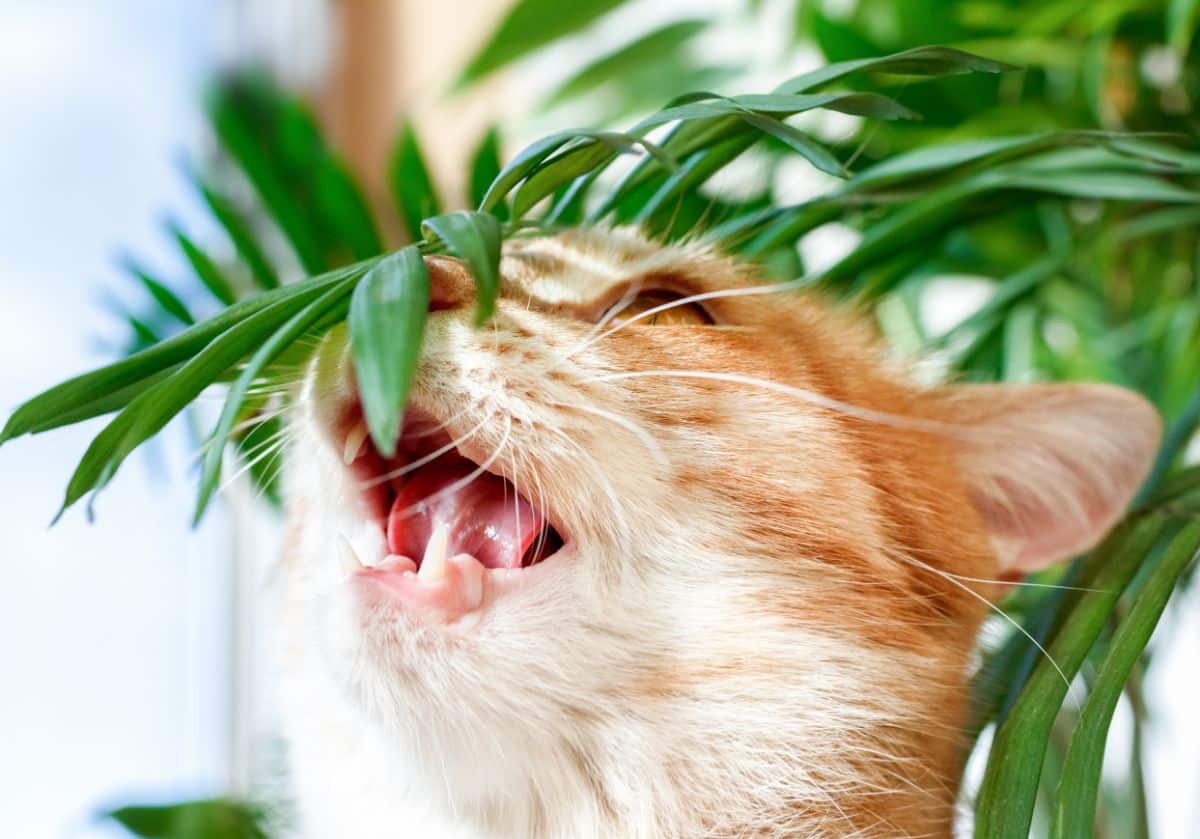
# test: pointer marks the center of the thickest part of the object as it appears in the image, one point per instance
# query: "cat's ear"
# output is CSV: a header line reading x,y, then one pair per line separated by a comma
x,y
1050,468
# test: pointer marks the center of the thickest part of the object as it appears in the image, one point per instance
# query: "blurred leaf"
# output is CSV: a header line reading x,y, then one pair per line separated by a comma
x,y
921,61
242,115
475,239
163,296
650,48
412,187
205,268
244,241
531,24
485,167
192,820
1182,16
387,317
344,207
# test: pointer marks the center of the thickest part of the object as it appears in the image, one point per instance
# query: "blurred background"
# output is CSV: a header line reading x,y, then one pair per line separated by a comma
x,y
137,651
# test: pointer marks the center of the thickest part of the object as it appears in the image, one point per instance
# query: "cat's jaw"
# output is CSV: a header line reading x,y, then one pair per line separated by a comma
x,y
444,532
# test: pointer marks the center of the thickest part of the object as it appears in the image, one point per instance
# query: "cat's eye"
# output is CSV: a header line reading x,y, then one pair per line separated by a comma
x,y
659,307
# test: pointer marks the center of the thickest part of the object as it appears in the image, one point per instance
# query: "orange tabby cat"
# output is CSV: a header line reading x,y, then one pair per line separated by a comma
x,y
663,553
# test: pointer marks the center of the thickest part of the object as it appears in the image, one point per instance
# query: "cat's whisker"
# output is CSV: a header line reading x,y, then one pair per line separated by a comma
x,y
271,448
812,397
633,428
541,509
464,481
429,458
450,420
618,513
1027,584
995,608
201,449
627,300
770,288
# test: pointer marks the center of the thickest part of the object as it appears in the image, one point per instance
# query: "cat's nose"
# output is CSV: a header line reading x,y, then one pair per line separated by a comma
x,y
450,284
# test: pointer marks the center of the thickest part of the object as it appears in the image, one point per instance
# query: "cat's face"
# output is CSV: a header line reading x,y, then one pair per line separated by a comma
x,y
722,551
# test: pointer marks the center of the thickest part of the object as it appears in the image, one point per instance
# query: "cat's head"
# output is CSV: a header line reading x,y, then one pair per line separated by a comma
x,y
660,537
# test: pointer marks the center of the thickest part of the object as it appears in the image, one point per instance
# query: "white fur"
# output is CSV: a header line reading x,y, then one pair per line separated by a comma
x,y
557,715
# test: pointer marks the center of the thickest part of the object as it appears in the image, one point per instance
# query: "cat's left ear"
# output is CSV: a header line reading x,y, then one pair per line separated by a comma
x,y
1050,468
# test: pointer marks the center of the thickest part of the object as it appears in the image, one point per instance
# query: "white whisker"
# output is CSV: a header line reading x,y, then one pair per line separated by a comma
x,y
462,482
845,408
421,461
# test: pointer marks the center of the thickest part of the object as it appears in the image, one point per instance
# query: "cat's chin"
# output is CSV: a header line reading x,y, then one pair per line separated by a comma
x,y
457,593
450,533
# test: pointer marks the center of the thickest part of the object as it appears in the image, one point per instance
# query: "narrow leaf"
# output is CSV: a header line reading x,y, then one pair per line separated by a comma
x,y
412,186
387,317
922,61
150,410
244,240
167,300
205,268
475,239
1006,798
300,323
1076,800
531,24
649,49
485,167
90,394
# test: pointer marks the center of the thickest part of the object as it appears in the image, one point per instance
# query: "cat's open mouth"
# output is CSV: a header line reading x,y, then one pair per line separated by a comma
x,y
448,521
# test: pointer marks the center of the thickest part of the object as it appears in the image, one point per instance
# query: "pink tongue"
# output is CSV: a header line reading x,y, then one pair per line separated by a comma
x,y
485,516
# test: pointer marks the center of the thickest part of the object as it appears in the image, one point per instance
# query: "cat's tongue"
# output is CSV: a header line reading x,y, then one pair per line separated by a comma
x,y
485,515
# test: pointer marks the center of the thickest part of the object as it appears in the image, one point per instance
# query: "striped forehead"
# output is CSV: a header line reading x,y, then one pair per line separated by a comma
x,y
574,270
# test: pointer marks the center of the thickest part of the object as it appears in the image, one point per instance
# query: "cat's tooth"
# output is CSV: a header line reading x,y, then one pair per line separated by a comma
x,y
347,557
433,564
354,442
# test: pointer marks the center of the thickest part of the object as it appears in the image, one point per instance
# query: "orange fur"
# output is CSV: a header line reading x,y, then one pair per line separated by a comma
x,y
792,579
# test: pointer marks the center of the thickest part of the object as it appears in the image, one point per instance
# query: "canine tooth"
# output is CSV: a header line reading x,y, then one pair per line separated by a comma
x,y
433,564
347,557
354,442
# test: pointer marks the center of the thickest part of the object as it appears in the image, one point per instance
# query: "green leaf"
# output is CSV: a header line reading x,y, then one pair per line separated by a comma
x,y
150,410
238,229
205,268
296,326
531,24
475,239
1182,16
485,168
922,61
344,208
648,49
103,390
799,142
191,820
524,163
412,187
387,317
782,104
1006,798
230,112
163,296
695,170
1120,186
1076,800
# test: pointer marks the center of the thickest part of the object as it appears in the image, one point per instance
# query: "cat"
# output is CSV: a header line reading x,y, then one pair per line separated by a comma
x,y
663,552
